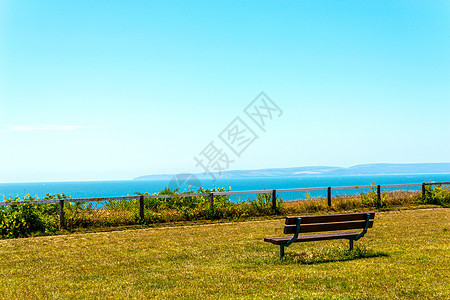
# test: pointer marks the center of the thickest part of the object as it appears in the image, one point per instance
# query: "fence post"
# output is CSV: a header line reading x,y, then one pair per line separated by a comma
x,y
274,201
379,192
211,201
141,207
62,222
423,190
329,196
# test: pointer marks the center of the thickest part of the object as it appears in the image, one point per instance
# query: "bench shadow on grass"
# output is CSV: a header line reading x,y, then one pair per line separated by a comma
x,y
329,255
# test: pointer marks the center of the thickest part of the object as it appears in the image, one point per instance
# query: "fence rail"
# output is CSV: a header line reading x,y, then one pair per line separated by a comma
x,y
212,194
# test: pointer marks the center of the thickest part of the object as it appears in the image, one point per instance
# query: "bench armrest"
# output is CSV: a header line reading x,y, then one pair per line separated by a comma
x,y
360,235
297,230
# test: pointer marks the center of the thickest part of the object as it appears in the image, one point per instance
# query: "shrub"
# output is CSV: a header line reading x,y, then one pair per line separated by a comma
x,y
439,195
19,220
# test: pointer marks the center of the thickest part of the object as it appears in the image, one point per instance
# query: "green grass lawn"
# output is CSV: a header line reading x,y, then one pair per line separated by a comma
x,y
405,255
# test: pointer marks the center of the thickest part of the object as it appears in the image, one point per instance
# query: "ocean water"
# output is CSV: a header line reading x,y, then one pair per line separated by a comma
x,y
92,189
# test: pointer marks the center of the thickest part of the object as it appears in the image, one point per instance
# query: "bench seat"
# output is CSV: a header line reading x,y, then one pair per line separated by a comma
x,y
313,237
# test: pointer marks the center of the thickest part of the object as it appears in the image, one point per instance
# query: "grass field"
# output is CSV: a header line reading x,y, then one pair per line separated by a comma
x,y
406,255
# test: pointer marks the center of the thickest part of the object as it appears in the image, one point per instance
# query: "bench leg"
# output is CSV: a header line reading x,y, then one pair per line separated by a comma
x,y
351,245
281,251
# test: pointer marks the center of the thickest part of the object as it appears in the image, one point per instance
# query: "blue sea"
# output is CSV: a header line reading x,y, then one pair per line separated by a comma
x,y
92,189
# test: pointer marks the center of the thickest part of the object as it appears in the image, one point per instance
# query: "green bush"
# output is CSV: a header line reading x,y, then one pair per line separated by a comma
x,y
19,220
439,195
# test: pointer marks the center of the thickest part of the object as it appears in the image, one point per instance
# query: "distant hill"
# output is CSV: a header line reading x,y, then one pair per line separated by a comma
x,y
367,169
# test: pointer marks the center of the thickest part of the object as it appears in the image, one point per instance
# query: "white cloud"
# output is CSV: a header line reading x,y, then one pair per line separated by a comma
x,y
49,127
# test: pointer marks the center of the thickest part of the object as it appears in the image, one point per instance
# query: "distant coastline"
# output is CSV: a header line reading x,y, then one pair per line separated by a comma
x,y
364,169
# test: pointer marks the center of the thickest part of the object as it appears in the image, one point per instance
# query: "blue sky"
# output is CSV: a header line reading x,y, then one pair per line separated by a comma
x,y
97,90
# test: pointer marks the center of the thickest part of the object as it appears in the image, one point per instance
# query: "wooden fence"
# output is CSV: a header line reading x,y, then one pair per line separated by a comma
x,y
212,194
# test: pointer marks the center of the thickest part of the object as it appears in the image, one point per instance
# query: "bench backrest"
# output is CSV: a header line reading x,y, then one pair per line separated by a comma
x,y
329,222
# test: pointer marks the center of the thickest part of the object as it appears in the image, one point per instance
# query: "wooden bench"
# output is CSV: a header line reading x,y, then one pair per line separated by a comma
x,y
336,222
